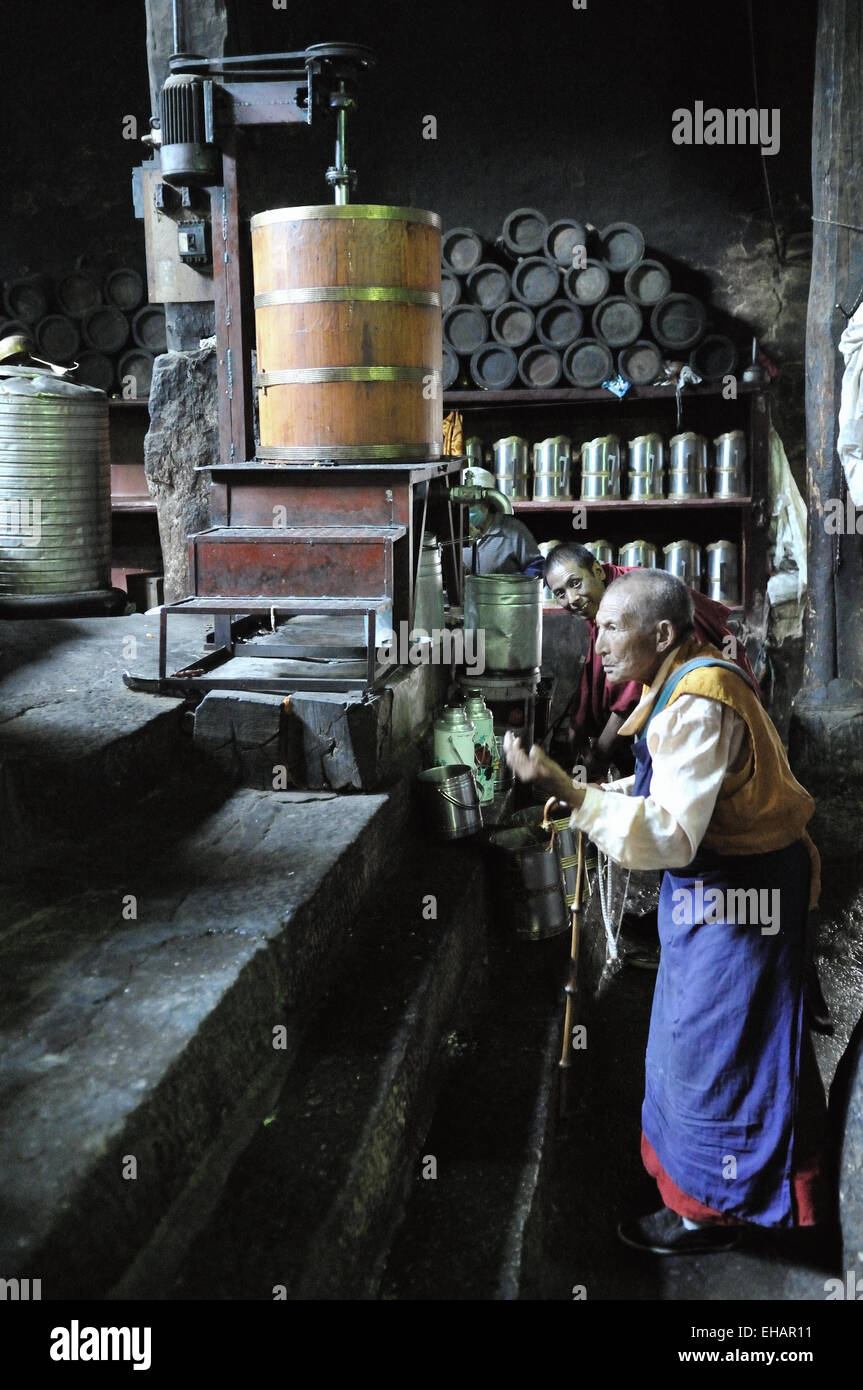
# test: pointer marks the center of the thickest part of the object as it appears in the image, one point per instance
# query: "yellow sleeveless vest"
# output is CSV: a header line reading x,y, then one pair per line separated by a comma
x,y
762,807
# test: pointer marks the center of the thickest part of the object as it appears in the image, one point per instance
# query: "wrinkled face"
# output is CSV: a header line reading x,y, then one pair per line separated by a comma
x,y
628,651
577,590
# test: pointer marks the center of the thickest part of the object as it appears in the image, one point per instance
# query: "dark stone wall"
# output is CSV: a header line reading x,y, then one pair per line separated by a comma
x,y
71,74
571,111
565,109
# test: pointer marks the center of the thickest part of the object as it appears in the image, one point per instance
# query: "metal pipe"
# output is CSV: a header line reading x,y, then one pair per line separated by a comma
x,y
341,189
175,17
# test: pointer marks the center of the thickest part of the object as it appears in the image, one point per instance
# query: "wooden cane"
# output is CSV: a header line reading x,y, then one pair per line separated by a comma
x,y
572,983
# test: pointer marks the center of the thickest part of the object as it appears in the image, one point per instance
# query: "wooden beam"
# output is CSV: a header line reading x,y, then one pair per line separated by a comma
x,y
834,620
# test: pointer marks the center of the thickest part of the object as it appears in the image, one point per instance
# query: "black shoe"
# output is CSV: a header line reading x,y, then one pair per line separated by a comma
x,y
663,1233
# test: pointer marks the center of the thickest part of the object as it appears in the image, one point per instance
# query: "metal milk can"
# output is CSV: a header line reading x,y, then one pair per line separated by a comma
x,y
486,753
454,736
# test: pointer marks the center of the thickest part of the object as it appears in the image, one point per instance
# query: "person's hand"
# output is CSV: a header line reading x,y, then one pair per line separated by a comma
x,y
539,769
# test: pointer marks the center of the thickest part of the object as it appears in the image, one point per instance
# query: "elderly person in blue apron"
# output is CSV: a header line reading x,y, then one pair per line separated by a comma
x,y
499,542
733,1118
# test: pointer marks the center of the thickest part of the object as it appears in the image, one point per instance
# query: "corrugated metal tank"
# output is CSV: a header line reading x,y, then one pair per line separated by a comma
x,y
55,486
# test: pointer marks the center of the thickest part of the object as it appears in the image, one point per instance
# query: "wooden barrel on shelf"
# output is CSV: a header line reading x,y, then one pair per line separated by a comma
x,y
587,284
678,321
465,328
135,369
450,290
621,245
588,363
58,338
494,367
562,238
461,250
26,299
524,232
451,367
536,281
714,357
347,313
105,328
647,282
489,286
539,367
559,323
149,329
78,292
124,288
513,324
640,362
617,321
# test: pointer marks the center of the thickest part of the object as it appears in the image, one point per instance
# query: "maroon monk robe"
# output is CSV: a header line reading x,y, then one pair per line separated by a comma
x,y
595,700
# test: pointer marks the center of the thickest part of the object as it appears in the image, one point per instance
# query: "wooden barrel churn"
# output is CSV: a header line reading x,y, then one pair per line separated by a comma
x,y
348,319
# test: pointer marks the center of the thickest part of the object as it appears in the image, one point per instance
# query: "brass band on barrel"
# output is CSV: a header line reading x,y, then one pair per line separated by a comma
x,y
358,211
325,294
298,376
310,452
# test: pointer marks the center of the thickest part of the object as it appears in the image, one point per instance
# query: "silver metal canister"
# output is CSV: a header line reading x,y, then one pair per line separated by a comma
x,y
683,558
512,466
723,574
552,455
687,471
508,609
640,553
602,455
475,451
603,551
730,449
646,466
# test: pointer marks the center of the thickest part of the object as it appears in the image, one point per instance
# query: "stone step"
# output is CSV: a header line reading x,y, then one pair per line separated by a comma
x,y
75,745
306,1210
476,1230
141,980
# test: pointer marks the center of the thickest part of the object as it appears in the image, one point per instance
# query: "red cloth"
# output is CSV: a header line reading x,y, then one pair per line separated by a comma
x,y
596,700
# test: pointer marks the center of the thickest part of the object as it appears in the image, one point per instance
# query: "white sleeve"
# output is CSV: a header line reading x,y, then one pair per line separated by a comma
x,y
693,743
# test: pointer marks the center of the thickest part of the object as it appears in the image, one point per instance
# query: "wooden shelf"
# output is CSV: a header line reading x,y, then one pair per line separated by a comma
x,y
623,504
573,395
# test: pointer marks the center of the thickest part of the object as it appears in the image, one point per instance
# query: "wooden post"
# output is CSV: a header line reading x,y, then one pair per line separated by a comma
x,y
834,627
826,733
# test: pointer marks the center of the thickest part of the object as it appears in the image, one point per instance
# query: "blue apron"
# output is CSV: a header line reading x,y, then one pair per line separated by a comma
x,y
725,1031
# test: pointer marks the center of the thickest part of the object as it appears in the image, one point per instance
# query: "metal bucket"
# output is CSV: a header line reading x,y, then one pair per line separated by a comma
x,y
475,451
528,881
449,801
646,465
683,558
639,553
55,486
723,577
508,608
429,613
